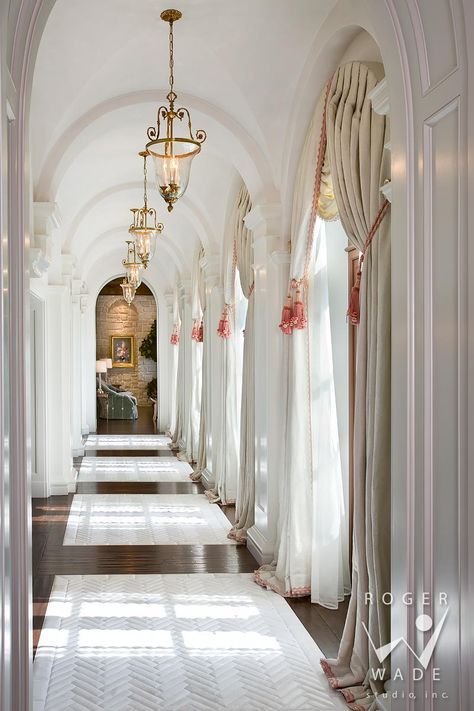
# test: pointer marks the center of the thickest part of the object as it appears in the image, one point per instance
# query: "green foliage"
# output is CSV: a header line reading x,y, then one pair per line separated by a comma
x,y
148,345
151,389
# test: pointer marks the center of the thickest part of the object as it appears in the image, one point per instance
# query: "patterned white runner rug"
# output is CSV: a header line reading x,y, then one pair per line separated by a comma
x,y
175,643
150,519
134,469
127,442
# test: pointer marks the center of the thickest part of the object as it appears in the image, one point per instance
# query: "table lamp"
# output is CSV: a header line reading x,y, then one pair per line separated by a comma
x,y
100,367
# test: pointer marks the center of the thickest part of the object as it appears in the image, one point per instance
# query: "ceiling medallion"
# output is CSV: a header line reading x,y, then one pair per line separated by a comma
x,y
172,155
133,265
144,234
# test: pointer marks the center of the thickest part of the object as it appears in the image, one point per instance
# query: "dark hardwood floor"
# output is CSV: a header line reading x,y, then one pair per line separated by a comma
x,y
51,558
144,424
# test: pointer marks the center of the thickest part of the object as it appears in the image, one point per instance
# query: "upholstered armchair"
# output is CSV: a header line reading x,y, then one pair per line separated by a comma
x,y
118,405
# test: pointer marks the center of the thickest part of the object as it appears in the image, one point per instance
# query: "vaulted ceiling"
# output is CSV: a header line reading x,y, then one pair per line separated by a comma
x,y
101,73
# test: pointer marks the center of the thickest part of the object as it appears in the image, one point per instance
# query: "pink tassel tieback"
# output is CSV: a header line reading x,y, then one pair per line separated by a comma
x,y
223,330
198,331
286,325
299,315
174,340
353,312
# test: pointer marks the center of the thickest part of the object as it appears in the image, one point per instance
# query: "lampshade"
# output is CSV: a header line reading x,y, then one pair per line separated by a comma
x,y
100,366
108,363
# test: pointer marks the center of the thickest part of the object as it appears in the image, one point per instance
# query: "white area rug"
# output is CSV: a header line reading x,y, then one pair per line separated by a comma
x,y
175,643
127,442
134,469
151,519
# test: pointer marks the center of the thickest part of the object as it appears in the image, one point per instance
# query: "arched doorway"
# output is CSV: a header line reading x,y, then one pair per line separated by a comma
x,y
126,339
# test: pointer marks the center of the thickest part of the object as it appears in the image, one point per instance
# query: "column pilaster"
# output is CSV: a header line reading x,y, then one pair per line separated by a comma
x,y
76,362
264,221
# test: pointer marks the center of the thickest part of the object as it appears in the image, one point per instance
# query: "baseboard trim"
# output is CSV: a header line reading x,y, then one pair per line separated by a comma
x,y
207,479
59,489
39,490
259,547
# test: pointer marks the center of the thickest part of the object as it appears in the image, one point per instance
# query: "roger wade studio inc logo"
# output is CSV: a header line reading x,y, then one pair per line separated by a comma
x,y
422,658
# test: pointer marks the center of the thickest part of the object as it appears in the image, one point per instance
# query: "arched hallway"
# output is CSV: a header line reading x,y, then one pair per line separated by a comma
x,y
236,421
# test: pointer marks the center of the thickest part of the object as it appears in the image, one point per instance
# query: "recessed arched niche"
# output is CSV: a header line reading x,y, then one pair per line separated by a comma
x,y
115,319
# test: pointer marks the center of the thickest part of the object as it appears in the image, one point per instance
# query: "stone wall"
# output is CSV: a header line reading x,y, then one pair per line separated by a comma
x,y
115,318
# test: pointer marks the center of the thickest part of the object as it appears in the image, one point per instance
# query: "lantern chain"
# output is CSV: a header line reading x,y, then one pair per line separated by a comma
x,y
145,195
171,42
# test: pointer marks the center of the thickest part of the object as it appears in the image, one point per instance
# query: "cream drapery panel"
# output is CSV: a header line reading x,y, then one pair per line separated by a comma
x,y
246,490
193,424
312,483
225,490
174,368
177,433
359,166
201,458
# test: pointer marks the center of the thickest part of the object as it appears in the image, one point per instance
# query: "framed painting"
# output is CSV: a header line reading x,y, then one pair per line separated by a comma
x,y
123,349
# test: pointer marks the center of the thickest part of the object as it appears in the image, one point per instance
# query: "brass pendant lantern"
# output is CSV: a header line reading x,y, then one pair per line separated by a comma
x,y
128,291
133,265
172,155
144,234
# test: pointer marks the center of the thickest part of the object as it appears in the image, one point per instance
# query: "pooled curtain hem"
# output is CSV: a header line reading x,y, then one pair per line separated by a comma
x,y
215,498
238,535
265,575
355,694
266,578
